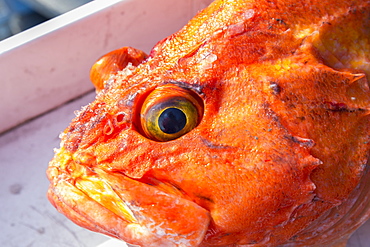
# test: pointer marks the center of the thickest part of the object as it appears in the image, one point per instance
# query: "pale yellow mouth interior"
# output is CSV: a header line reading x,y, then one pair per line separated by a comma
x,y
101,192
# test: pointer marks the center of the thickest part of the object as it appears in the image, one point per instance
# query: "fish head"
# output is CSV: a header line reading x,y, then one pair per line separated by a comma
x,y
238,129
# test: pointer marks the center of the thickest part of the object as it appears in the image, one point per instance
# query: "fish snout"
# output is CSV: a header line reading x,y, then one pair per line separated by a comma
x,y
125,208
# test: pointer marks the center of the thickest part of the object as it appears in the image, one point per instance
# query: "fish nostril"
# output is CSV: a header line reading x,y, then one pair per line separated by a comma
x,y
108,128
120,118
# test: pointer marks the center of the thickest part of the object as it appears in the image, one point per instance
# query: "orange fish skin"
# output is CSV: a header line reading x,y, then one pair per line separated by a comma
x,y
278,154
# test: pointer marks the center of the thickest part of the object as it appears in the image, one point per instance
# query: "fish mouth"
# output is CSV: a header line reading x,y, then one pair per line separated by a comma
x,y
119,206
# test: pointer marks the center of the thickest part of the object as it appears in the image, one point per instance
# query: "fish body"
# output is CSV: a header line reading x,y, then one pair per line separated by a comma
x,y
248,127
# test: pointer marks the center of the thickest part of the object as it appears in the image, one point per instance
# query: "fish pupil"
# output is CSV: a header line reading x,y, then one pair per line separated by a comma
x,y
172,120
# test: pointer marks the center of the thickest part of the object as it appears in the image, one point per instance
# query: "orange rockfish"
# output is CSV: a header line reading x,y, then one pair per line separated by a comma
x,y
248,127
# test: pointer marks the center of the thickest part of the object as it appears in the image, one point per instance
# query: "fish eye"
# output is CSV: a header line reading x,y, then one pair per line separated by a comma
x,y
169,112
